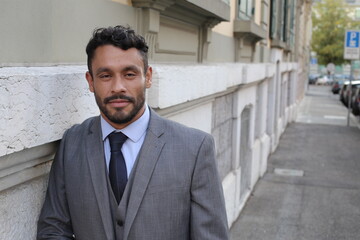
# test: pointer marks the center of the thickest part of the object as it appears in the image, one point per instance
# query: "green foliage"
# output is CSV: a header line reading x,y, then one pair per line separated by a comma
x,y
330,21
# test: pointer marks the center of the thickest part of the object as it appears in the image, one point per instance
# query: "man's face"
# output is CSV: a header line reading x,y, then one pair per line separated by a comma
x,y
118,82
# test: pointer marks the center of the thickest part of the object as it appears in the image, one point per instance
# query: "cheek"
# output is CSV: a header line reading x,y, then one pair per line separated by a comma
x,y
101,89
136,87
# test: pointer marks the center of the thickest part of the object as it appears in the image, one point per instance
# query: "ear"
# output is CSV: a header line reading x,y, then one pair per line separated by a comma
x,y
148,77
90,81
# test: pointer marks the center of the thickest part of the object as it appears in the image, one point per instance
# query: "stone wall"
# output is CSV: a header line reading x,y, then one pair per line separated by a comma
x,y
38,104
222,130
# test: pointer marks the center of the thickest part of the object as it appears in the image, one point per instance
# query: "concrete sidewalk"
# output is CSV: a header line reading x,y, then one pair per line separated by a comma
x,y
321,106
311,190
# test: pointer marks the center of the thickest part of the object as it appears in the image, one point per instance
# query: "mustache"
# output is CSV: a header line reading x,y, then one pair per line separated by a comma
x,y
118,96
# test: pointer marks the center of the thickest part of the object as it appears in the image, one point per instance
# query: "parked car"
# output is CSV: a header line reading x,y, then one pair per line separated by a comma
x,y
323,80
345,91
342,92
313,78
355,102
336,86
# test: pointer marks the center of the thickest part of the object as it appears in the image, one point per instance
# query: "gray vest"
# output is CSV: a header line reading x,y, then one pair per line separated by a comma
x,y
118,212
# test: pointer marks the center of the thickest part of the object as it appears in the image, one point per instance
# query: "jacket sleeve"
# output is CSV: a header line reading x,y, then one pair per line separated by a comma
x,y
54,220
208,214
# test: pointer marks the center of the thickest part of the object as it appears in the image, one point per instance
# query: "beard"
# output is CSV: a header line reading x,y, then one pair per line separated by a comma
x,y
120,116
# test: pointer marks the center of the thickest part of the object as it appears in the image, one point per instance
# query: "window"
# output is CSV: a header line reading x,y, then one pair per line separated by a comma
x,y
292,23
273,12
282,20
245,9
357,14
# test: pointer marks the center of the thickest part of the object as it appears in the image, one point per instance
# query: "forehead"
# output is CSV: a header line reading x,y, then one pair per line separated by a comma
x,y
109,55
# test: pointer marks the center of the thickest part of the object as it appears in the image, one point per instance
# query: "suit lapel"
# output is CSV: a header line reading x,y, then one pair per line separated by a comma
x,y
146,162
96,163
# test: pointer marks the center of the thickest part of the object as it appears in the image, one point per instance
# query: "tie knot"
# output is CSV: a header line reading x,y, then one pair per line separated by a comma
x,y
116,140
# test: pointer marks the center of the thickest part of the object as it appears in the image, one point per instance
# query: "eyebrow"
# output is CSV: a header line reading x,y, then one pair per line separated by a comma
x,y
131,68
128,68
102,69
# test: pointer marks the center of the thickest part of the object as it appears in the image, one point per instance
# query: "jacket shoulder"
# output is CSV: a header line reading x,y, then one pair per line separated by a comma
x,y
79,130
85,125
179,131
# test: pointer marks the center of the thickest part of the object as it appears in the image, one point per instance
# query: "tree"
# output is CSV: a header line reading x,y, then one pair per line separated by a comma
x,y
330,20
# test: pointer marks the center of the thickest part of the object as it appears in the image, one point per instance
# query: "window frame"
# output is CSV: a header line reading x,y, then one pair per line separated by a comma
x,y
245,9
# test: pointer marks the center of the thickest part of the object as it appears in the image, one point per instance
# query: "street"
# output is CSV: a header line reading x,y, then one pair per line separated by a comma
x,y
311,190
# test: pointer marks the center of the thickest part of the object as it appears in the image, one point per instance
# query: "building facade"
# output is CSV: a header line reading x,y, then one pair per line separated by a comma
x,y
234,68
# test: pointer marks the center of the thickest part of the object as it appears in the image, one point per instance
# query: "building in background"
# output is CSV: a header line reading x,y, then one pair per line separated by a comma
x,y
234,68
354,7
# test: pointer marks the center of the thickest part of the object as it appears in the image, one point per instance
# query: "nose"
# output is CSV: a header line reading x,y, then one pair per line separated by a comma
x,y
118,85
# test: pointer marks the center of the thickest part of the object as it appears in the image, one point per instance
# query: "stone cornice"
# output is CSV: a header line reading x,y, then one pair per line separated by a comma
x,y
160,5
23,166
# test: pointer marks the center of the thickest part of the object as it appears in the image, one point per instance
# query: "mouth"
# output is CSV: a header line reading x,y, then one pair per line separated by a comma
x,y
118,101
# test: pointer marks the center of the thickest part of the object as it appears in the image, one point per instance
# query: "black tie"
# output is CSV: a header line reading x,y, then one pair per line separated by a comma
x,y
117,167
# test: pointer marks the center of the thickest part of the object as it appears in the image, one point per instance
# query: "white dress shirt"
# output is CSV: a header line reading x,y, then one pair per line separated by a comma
x,y
135,132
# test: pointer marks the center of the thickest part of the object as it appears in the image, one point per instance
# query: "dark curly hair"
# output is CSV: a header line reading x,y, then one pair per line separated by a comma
x,y
118,36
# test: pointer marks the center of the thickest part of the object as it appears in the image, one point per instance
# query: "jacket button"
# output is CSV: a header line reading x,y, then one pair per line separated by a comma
x,y
120,223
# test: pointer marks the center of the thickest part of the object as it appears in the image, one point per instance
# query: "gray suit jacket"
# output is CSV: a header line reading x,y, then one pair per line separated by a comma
x,y
174,191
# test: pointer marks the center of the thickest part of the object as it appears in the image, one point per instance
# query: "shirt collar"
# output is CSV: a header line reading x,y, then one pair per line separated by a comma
x,y
134,131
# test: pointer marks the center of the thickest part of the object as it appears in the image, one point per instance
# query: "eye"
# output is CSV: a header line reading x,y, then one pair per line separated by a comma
x,y
130,75
104,76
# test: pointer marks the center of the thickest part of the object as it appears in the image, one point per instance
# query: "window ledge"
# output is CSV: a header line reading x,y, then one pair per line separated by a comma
x,y
217,9
249,29
276,43
212,8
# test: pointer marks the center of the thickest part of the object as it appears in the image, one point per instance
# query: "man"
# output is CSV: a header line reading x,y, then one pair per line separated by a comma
x,y
159,182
